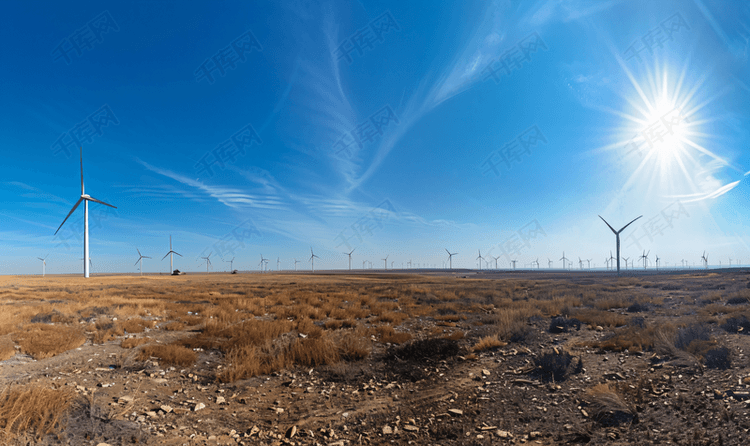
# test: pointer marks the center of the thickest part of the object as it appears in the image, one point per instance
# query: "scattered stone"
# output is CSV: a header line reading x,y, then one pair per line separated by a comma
x,y
291,432
503,434
456,411
125,399
534,434
166,408
387,430
410,428
220,400
485,372
198,407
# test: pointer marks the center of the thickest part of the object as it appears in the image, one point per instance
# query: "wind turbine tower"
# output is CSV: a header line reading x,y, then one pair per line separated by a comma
x,y
140,260
85,198
644,257
171,256
208,260
450,258
385,261
312,259
350,258
44,264
617,236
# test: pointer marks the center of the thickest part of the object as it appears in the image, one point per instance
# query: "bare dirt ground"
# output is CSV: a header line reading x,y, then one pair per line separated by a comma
x,y
567,359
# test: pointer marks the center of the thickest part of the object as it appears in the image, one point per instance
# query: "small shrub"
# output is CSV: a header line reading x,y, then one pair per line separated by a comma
x,y
134,342
354,345
740,300
608,408
7,348
738,324
427,349
552,366
136,325
637,308
169,354
174,326
690,334
561,324
388,335
718,358
313,352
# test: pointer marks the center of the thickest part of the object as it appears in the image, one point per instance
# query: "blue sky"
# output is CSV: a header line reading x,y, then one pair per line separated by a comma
x,y
395,129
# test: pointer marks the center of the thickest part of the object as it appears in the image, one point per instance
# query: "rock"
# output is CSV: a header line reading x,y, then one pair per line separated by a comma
x,y
485,372
279,410
503,434
387,430
220,400
166,408
152,414
455,411
599,328
291,432
125,399
103,444
253,430
198,407
410,428
534,434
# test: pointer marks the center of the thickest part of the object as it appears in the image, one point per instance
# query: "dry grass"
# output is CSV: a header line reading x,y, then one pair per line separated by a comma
x,y
33,408
594,317
174,326
488,343
355,345
136,325
608,407
44,341
170,354
7,348
388,335
134,342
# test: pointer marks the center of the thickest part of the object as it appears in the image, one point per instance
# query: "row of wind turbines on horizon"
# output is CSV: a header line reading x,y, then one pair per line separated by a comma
x,y
87,262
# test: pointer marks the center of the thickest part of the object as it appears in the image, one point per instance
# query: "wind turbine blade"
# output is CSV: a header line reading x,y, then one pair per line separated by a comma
x,y
101,202
605,222
71,211
146,257
139,251
178,254
623,228
136,262
165,255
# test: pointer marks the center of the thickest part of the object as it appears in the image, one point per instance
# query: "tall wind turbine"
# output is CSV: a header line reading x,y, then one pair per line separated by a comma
x,y
350,258
514,263
312,259
231,264
278,261
140,260
208,260
450,258
626,261
85,198
549,263
564,259
171,255
617,236
589,262
262,263
495,260
657,263
580,263
644,257
704,257
295,264
480,258
44,264
385,260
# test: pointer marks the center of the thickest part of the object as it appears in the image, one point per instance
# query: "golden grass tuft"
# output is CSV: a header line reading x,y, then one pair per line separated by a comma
x,y
44,341
388,335
7,348
134,342
136,325
355,345
170,354
488,343
33,408
174,326
313,352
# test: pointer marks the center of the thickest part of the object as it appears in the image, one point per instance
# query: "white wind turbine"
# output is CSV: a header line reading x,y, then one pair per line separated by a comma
x,y
140,260
385,261
704,257
262,263
171,254
295,264
549,263
480,258
208,261
617,235
278,261
44,264
231,264
644,257
495,260
312,259
85,198
514,263
450,258
350,258
564,259
626,261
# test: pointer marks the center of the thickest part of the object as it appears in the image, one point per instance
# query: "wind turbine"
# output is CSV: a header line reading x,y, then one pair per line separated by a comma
x,y
363,263
91,265
295,264
645,258
549,263
657,263
704,257
85,198
385,261
480,258
140,260
231,264
495,260
580,263
617,235
626,261
312,259
514,263
564,259
171,255
408,264
208,260
589,262
350,258
450,258
262,263
44,264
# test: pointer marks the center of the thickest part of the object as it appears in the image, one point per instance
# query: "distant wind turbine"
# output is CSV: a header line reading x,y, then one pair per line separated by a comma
x,y
140,260
44,264
626,261
549,263
704,257
262,263
644,257
580,263
231,264
564,259
514,263
617,236
450,258
385,261
312,259
208,260
85,198
295,264
657,263
589,262
480,258
350,258
171,255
